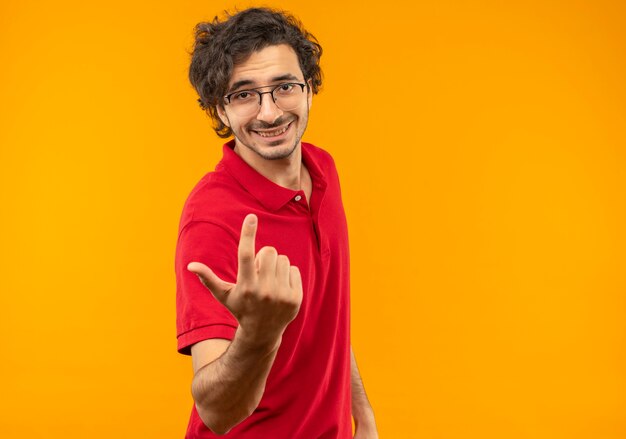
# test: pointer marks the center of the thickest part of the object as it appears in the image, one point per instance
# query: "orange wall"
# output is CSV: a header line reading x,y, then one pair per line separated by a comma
x,y
481,147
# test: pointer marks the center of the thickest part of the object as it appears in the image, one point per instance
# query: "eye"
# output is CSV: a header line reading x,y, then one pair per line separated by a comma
x,y
285,88
241,96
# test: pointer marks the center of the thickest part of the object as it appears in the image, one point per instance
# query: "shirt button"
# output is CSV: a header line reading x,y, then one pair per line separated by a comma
x,y
298,198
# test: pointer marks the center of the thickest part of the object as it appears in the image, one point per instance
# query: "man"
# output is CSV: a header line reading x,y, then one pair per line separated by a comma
x,y
268,332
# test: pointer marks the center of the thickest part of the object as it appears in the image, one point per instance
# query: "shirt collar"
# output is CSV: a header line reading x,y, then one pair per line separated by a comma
x,y
269,194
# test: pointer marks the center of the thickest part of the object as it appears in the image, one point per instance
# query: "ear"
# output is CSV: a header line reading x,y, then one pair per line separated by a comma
x,y
309,92
222,114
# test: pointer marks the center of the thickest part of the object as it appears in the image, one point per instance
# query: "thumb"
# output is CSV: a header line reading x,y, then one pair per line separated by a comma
x,y
209,279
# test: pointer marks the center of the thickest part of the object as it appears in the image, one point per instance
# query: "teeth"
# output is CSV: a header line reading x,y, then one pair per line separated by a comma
x,y
272,133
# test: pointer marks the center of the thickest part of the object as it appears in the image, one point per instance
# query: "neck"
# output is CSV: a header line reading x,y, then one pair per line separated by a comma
x,y
284,172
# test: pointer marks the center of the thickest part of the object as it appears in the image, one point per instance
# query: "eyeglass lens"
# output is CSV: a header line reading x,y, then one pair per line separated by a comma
x,y
285,96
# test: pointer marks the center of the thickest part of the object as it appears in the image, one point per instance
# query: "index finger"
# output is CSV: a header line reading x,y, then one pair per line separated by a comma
x,y
246,248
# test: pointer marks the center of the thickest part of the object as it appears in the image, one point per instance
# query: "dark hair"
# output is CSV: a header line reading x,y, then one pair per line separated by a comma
x,y
220,45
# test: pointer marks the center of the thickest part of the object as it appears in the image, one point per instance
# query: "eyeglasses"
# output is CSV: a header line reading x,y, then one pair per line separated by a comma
x,y
287,96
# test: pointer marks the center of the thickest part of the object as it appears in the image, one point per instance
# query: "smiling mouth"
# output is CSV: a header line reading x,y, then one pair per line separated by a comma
x,y
273,133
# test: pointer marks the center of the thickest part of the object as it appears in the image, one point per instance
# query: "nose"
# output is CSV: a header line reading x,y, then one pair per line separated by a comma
x,y
268,112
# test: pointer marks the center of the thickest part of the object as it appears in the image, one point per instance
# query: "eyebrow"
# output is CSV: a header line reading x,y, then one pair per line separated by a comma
x,y
244,82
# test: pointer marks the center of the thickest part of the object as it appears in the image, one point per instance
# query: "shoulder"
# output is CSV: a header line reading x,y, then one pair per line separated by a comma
x,y
317,152
322,158
211,198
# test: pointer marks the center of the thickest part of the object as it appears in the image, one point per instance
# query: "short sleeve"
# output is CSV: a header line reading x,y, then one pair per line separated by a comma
x,y
199,315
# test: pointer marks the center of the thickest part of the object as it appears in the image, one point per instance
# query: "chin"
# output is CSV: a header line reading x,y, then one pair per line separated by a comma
x,y
276,152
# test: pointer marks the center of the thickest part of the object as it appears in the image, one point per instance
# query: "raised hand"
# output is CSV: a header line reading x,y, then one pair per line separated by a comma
x,y
268,292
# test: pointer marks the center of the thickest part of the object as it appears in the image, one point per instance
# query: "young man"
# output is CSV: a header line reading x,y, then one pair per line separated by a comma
x,y
268,331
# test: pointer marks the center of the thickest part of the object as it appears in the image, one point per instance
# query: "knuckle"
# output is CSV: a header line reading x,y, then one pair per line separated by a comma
x,y
294,271
295,301
246,291
283,301
269,250
265,297
288,297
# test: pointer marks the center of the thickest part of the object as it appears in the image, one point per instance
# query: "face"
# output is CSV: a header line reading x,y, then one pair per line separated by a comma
x,y
271,133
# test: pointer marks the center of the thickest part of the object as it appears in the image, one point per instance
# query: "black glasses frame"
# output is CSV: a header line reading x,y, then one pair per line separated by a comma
x,y
261,93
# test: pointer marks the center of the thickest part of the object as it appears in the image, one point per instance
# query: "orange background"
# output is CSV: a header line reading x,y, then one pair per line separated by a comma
x,y
481,147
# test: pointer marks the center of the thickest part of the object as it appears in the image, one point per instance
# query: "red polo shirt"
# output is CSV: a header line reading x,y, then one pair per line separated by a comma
x,y
307,395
